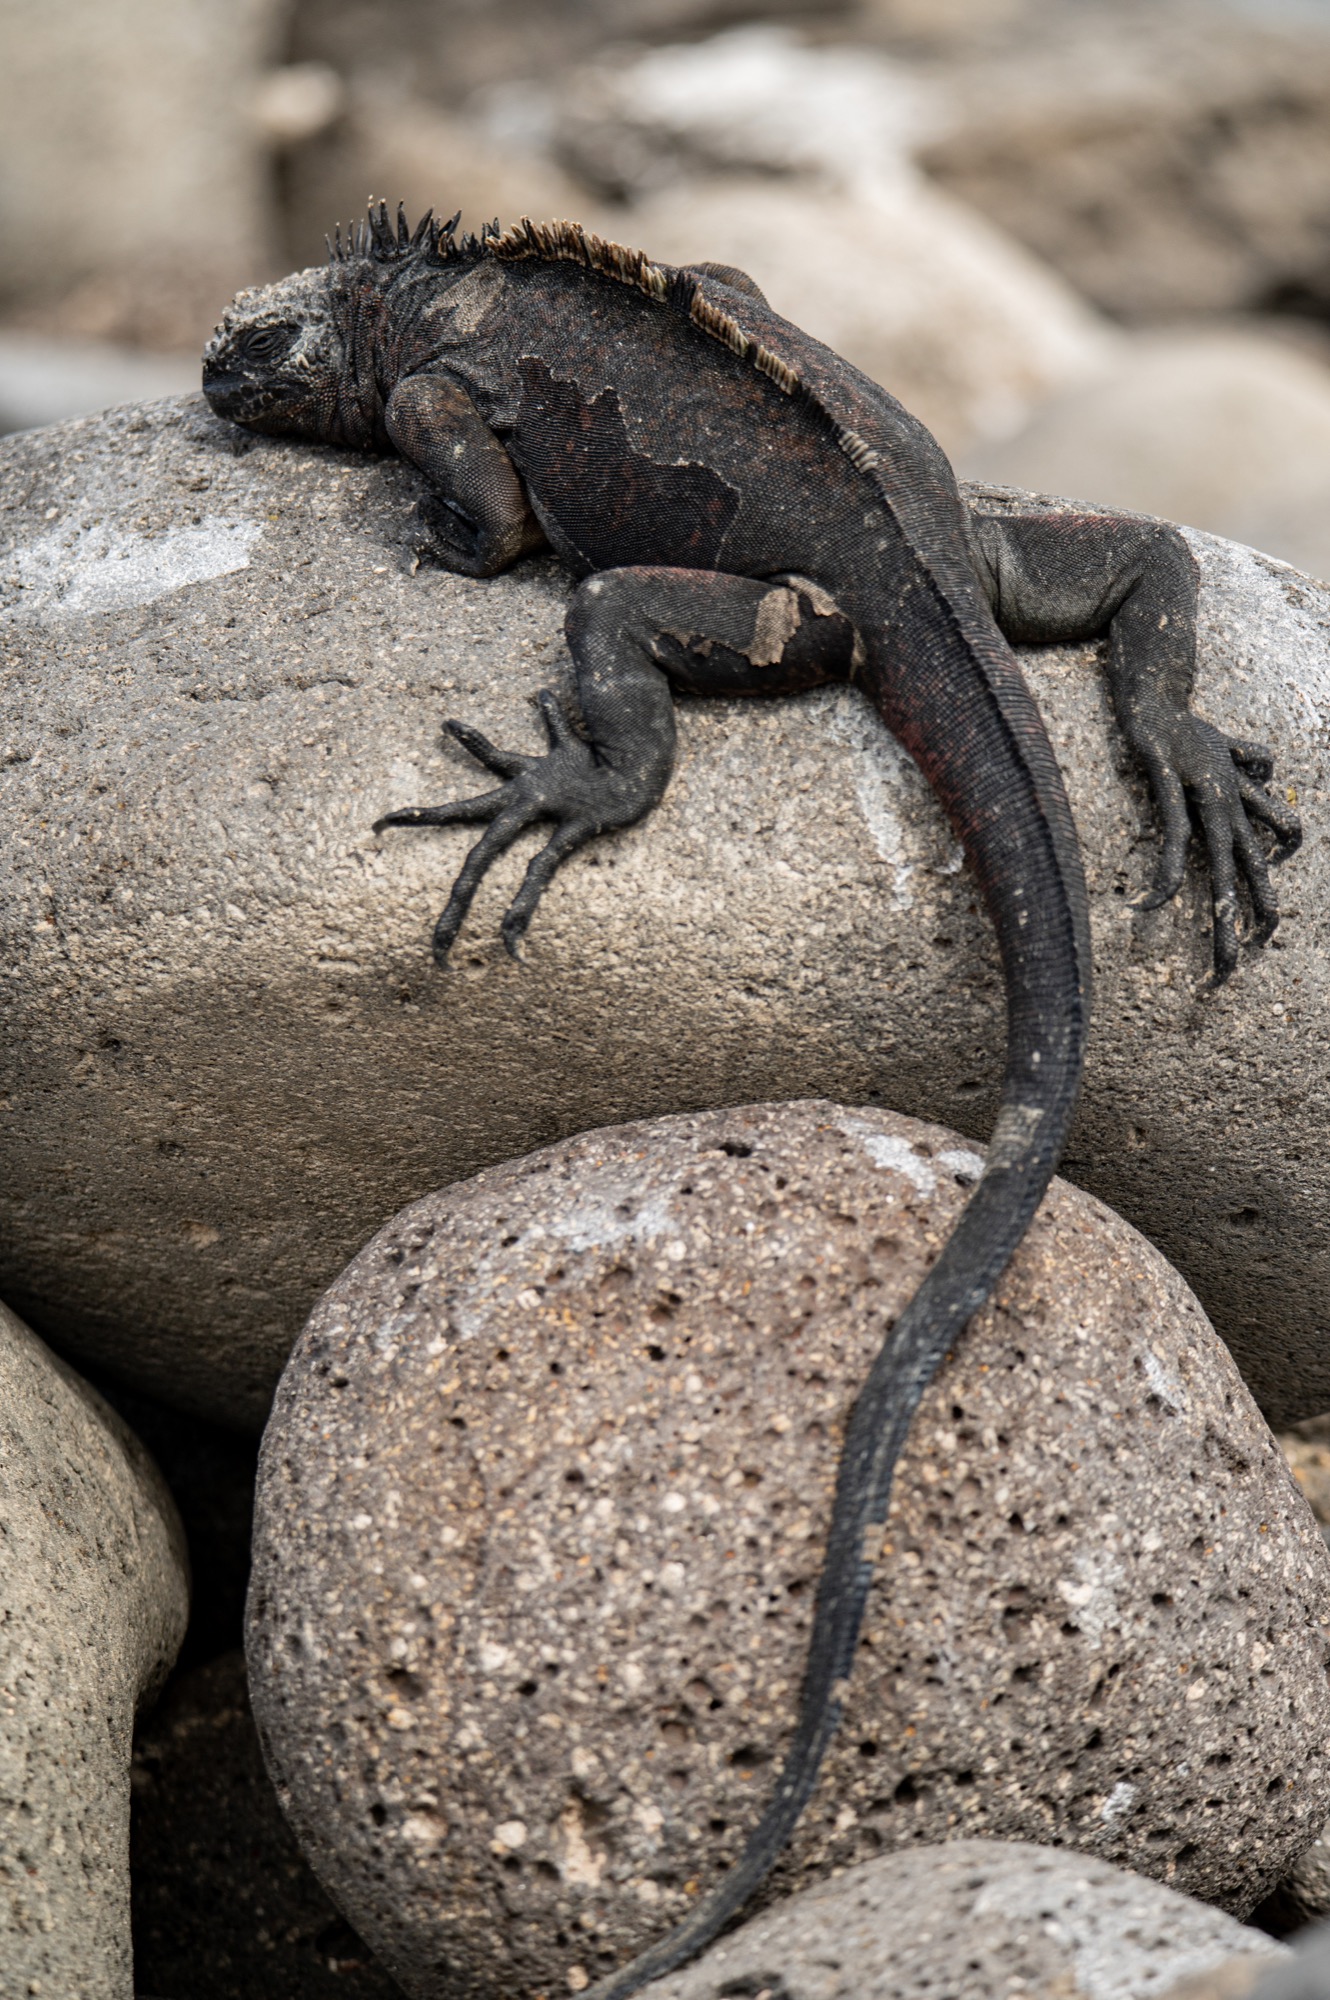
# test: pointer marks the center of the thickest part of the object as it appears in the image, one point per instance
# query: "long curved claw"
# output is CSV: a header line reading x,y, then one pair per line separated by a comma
x,y
495,840
1219,842
1171,868
460,812
504,763
540,873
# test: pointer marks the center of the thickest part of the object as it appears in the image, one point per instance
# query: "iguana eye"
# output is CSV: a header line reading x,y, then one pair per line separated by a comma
x,y
264,342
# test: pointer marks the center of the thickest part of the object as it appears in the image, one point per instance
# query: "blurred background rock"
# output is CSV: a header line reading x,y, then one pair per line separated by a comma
x,y
1088,241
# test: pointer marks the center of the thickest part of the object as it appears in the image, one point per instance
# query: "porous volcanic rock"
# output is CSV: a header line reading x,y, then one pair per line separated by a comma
x,y
94,1594
978,1920
225,1052
541,1509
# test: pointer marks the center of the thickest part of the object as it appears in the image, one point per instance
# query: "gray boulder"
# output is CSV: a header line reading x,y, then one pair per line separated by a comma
x,y
133,177
1165,161
1227,430
94,1594
541,1508
975,1920
227,1054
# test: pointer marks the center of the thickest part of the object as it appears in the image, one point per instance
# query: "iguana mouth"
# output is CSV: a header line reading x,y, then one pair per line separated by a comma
x,y
240,398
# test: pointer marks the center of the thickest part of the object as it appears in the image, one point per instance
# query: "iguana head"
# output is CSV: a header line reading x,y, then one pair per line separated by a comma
x,y
276,361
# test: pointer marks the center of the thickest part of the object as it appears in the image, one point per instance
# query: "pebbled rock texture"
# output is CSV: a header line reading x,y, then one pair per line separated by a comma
x,y
94,1594
224,1906
227,1055
974,1920
541,1509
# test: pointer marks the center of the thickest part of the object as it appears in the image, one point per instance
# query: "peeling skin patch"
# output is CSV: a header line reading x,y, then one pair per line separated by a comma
x,y
90,569
776,623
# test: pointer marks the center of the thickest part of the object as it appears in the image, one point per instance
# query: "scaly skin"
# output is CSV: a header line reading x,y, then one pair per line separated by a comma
x,y
750,515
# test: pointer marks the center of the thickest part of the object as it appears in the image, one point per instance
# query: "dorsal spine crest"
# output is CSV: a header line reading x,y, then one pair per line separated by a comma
x,y
379,241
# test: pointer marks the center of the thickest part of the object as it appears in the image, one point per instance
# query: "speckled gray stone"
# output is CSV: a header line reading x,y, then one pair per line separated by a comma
x,y
226,1055
94,1594
541,1508
974,1920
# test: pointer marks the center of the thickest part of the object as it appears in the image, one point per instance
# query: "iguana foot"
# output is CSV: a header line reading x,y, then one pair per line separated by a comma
x,y
1191,763
584,796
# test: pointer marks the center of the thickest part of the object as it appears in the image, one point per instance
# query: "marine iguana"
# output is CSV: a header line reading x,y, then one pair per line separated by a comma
x,y
748,514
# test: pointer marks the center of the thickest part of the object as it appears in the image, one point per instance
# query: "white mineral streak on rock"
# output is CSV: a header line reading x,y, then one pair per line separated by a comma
x,y
1120,1800
886,1150
94,567
885,781
1163,1381
1093,1599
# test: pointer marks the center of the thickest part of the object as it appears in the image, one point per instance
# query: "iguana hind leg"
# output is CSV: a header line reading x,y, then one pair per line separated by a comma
x,y
1067,576
631,632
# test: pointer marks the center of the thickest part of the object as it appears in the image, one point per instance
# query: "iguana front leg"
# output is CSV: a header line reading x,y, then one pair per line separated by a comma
x,y
478,510
1053,577
631,632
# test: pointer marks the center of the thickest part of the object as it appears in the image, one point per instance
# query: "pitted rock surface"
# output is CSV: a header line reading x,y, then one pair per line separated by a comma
x,y
976,1920
541,1511
225,1052
94,1594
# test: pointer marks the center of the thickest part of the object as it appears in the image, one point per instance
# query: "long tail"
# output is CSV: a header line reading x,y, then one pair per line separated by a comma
x,y
966,715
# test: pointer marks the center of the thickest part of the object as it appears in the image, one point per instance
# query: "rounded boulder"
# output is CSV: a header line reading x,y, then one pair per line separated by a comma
x,y
541,1511
980,1920
226,1053
94,1595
